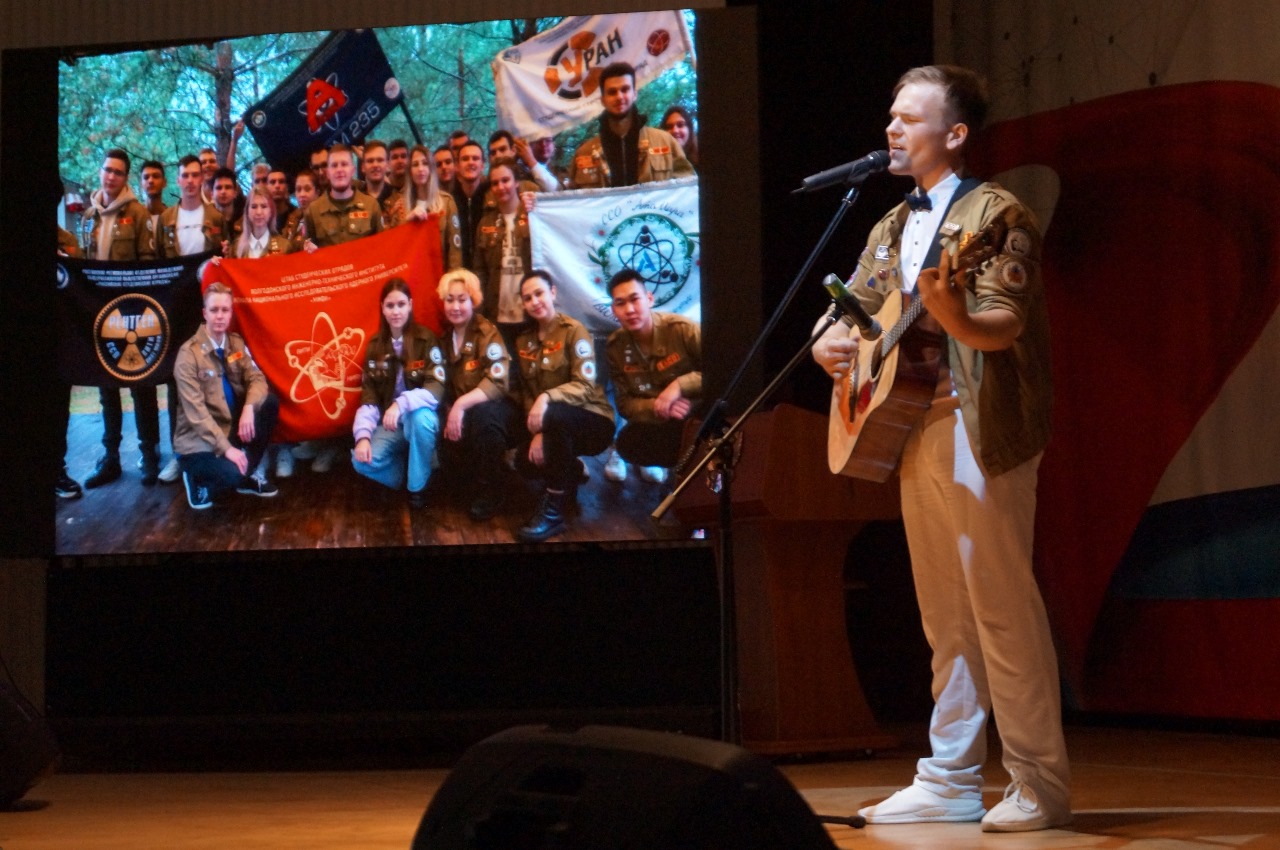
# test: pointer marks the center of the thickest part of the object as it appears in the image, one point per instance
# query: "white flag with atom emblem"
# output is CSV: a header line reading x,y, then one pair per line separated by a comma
x,y
584,237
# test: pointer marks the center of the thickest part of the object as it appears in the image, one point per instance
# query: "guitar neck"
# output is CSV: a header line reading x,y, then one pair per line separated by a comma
x,y
914,310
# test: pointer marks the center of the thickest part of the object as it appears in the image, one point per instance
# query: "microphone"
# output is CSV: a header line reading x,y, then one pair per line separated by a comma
x,y
849,174
868,326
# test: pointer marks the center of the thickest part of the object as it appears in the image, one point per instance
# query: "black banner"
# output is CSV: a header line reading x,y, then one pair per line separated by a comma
x,y
120,323
338,94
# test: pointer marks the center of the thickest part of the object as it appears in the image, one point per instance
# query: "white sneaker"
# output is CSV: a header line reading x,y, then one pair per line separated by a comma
x,y
914,804
284,462
325,460
1022,811
615,468
653,474
172,471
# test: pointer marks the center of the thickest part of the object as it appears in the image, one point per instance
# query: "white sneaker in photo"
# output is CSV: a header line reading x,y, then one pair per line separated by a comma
x,y
653,474
615,468
284,462
171,472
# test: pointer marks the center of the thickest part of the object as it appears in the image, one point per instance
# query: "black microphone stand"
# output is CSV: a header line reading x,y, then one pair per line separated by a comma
x,y
725,450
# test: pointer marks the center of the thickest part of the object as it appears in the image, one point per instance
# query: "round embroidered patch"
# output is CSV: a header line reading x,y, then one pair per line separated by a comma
x,y
494,351
582,348
436,356
589,370
1012,274
1018,243
497,371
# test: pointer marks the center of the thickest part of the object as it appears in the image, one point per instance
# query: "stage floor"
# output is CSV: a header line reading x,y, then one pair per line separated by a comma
x,y
1133,789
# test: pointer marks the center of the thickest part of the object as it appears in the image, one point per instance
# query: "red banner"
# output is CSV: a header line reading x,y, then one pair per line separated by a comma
x,y
307,318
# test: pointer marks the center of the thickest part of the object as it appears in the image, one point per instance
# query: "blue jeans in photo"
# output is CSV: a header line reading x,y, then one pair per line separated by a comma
x,y
404,453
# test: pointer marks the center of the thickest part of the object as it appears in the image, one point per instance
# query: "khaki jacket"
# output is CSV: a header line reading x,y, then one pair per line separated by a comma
x,y
660,157
450,226
423,365
486,257
130,223
563,366
276,244
204,420
331,222
214,227
483,361
1005,396
638,378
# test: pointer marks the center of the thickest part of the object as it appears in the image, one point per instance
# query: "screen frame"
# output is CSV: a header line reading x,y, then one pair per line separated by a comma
x,y
726,45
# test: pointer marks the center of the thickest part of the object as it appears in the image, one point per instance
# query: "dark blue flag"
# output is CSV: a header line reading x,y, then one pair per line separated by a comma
x,y
338,94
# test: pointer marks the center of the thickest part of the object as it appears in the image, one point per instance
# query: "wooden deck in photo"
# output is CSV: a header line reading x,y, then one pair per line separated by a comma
x,y
334,510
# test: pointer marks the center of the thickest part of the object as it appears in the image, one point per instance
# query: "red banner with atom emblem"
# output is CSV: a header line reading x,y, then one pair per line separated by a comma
x,y
307,318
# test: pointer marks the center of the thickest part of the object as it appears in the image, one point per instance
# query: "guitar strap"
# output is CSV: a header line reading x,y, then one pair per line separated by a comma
x,y
931,259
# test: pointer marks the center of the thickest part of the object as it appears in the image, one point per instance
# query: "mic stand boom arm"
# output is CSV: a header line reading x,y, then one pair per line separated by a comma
x,y
722,448
725,450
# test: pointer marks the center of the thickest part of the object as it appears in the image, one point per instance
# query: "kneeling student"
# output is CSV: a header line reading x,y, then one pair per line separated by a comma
x,y
482,420
226,412
655,361
403,382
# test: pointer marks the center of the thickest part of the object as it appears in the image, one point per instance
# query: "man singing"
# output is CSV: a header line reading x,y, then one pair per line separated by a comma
x,y
969,467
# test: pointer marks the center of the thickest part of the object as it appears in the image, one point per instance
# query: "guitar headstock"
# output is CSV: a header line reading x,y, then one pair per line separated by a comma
x,y
977,248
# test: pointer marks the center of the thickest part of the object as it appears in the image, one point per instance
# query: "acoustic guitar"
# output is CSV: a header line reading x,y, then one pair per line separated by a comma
x,y
894,378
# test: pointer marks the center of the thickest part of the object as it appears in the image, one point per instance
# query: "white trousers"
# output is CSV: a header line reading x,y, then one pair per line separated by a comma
x,y
970,538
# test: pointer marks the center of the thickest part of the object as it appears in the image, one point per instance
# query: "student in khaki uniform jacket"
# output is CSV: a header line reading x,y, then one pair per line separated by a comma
x,y
481,418
625,152
566,412
259,237
401,388
226,412
655,363
424,199
192,225
343,213
121,231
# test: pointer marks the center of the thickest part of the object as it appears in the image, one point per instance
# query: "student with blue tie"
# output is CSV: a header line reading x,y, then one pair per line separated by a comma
x,y
226,412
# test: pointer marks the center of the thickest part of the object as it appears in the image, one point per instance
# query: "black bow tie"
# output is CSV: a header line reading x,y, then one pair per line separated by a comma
x,y
918,201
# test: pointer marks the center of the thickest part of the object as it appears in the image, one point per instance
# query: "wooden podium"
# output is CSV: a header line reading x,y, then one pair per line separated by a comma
x,y
793,522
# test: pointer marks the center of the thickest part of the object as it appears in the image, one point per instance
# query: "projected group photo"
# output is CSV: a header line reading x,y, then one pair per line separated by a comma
x,y
411,286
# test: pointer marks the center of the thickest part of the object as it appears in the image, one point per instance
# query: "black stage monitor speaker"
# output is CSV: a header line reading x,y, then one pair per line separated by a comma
x,y
28,751
610,788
